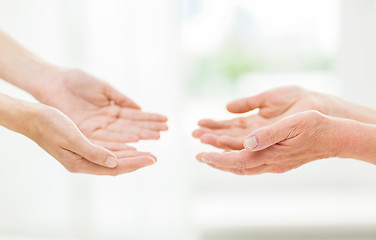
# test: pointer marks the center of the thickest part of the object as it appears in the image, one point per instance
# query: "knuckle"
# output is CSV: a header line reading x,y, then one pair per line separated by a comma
x,y
274,156
315,118
269,134
240,164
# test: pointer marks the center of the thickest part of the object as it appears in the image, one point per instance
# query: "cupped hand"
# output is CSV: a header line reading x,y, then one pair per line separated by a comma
x,y
273,105
281,146
100,111
60,137
228,134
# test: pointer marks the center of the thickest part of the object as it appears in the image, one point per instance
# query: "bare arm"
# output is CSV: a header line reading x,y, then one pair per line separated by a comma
x,y
100,111
22,68
274,105
60,137
296,140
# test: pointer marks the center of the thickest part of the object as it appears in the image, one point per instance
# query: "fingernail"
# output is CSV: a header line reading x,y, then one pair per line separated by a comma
x,y
251,143
151,161
205,160
111,162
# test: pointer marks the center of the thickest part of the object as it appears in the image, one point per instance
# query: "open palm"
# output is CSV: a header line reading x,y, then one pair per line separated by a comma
x,y
273,105
228,134
102,113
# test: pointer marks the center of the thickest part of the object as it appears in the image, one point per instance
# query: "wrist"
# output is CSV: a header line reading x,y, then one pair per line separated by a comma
x,y
17,115
43,80
353,139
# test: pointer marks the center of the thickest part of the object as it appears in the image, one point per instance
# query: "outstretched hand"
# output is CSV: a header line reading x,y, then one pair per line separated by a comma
x,y
101,112
59,136
281,146
273,105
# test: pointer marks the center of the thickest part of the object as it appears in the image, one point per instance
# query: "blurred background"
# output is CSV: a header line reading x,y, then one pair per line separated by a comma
x,y
187,59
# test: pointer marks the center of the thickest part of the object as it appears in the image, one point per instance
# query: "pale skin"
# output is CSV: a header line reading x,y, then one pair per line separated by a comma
x,y
83,109
294,126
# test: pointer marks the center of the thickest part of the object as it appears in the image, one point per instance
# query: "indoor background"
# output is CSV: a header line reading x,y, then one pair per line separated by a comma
x,y
186,59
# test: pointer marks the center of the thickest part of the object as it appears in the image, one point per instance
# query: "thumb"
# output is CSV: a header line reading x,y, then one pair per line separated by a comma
x,y
246,104
267,136
95,153
120,99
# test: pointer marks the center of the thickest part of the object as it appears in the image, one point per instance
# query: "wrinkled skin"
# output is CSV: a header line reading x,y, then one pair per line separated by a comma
x,y
273,105
282,146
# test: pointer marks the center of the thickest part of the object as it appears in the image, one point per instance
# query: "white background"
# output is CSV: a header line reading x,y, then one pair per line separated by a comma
x,y
138,46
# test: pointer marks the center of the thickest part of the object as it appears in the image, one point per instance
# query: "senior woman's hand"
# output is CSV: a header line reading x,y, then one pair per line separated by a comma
x,y
294,141
274,105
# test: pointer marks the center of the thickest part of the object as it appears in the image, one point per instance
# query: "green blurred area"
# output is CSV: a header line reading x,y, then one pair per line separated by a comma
x,y
234,60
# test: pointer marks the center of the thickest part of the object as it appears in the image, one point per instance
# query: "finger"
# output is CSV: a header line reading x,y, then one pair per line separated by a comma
x,y
120,99
246,104
140,115
108,135
250,171
157,126
125,165
233,143
233,132
93,153
238,159
212,139
212,124
209,123
113,146
127,154
267,136
201,131
223,142
134,130
146,134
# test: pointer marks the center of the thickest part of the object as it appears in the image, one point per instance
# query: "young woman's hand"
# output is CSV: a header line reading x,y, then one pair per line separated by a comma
x,y
60,137
99,110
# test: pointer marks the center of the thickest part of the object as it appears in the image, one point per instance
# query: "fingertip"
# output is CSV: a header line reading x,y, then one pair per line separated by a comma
x,y
150,160
251,143
161,118
233,107
203,122
229,107
164,127
111,161
208,138
197,133
200,156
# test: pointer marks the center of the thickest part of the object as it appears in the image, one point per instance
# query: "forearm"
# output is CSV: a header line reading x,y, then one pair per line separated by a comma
x,y
354,139
341,108
22,68
16,115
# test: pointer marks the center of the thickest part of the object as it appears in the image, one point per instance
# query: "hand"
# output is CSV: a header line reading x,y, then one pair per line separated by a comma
x,y
229,134
273,105
282,146
100,111
60,137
